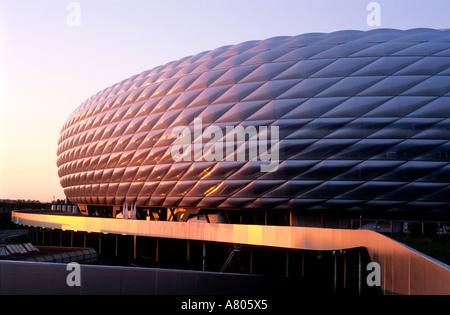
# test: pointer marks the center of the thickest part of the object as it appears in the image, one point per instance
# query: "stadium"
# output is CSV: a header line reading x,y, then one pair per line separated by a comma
x,y
361,121
302,148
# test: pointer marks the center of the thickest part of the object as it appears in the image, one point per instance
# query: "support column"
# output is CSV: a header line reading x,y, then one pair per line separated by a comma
x,y
116,251
157,250
251,261
303,264
287,263
134,247
100,243
345,269
60,237
359,272
335,273
204,257
85,239
71,238
188,253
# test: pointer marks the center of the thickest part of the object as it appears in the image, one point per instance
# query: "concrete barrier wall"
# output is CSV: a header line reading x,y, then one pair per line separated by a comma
x,y
31,278
403,270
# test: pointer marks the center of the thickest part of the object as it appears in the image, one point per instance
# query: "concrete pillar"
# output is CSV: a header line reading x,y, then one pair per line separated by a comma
x,y
188,251
60,237
335,273
359,272
287,263
204,256
116,250
100,243
85,239
251,261
303,263
345,269
157,250
71,238
134,247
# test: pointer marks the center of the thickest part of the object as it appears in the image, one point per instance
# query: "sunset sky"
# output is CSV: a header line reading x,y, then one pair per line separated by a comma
x,y
51,63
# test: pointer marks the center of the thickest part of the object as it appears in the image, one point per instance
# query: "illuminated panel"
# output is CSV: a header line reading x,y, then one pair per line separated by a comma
x,y
363,122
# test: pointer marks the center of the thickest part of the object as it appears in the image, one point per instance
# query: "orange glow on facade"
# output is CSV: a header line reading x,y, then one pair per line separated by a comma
x,y
211,190
393,256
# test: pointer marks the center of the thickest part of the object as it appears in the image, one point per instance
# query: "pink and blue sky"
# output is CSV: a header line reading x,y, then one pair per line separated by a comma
x,y
48,67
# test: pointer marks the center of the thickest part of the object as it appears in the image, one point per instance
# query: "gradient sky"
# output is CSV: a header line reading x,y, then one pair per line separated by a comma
x,y
48,68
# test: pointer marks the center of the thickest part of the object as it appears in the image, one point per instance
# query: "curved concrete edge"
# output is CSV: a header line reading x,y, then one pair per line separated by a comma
x,y
407,271
403,270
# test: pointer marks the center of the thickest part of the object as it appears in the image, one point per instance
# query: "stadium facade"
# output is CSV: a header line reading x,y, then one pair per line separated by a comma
x,y
347,123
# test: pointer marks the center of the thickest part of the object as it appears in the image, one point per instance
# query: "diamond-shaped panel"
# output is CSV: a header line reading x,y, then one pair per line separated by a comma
x,y
362,118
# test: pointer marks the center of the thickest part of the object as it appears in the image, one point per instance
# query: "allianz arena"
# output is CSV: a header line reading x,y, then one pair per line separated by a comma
x,y
359,121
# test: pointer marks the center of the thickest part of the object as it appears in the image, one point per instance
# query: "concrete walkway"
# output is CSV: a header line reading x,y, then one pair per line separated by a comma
x,y
403,270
